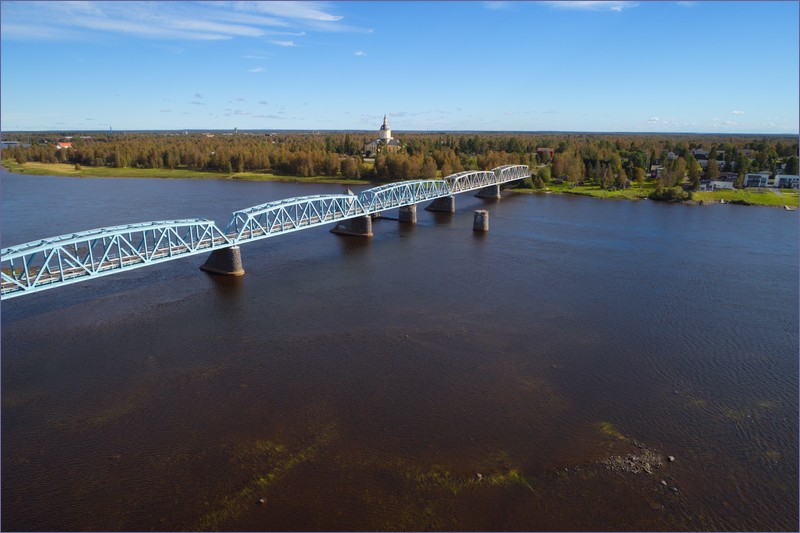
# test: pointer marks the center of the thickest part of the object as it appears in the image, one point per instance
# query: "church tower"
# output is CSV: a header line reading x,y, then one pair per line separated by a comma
x,y
385,132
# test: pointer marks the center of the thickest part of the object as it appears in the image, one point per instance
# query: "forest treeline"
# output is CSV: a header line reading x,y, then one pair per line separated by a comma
x,y
610,160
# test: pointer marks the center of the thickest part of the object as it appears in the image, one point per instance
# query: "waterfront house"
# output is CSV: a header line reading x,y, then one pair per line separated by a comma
x,y
715,185
757,179
787,181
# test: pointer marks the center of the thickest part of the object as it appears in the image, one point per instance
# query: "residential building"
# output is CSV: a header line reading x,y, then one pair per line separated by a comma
x,y
757,179
715,185
787,181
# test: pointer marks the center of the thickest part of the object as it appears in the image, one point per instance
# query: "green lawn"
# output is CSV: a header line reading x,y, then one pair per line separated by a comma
x,y
768,198
633,193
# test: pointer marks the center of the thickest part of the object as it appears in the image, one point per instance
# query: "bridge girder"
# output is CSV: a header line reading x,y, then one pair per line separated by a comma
x,y
508,173
291,214
470,180
401,194
73,257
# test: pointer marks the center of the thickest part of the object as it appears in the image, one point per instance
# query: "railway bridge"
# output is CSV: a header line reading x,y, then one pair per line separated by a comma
x,y
75,257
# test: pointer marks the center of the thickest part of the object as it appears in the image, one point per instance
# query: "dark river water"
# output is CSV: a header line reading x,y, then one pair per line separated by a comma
x,y
536,377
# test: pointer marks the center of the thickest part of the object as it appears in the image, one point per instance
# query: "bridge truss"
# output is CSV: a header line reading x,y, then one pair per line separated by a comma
x,y
292,214
75,257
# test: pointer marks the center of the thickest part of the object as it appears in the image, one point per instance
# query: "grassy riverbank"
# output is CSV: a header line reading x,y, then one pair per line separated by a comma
x,y
771,198
64,169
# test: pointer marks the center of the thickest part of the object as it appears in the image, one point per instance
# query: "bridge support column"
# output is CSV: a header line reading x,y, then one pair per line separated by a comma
x,y
446,204
359,227
480,222
225,261
492,191
408,214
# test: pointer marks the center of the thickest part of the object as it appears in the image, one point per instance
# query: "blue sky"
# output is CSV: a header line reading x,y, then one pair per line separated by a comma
x,y
727,67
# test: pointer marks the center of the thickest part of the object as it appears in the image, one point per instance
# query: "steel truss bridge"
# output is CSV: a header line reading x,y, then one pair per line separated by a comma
x,y
57,261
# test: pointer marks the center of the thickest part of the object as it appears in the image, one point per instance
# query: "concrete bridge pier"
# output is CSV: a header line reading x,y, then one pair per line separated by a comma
x,y
358,227
446,204
224,261
480,221
408,214
492,191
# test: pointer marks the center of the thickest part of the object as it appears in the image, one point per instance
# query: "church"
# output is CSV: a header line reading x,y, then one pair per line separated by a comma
x,y
384,134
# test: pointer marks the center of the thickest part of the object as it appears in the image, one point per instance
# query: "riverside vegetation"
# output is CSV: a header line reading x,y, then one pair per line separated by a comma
x,y
598,165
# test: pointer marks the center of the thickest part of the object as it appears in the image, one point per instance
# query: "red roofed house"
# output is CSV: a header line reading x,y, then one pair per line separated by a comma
x,y
542,151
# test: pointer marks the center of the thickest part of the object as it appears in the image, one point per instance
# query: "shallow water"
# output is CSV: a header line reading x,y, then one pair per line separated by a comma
x,y
362,384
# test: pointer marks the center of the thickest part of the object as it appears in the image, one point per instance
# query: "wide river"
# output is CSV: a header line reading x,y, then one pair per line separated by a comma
x,y
584,365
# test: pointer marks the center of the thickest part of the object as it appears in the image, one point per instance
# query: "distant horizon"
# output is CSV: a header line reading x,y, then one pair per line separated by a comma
x,y
593,67
400,132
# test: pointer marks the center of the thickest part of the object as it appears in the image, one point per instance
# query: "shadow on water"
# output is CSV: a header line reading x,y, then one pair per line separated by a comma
x,y
227,288
480,236
405,228
351,244
442,219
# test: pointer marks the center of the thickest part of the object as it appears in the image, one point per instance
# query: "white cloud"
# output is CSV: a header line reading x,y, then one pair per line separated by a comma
x,y
316,11
257,69
360,53
34,32
497,5
593,5
231,30
737,112
207,21
284,43
653,120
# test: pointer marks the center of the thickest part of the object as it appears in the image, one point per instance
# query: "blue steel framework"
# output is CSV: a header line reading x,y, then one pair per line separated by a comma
x,y
56,261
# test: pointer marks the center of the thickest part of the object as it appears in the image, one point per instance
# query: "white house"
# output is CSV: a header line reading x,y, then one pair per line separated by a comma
x,y
787,181
715,185
757,179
